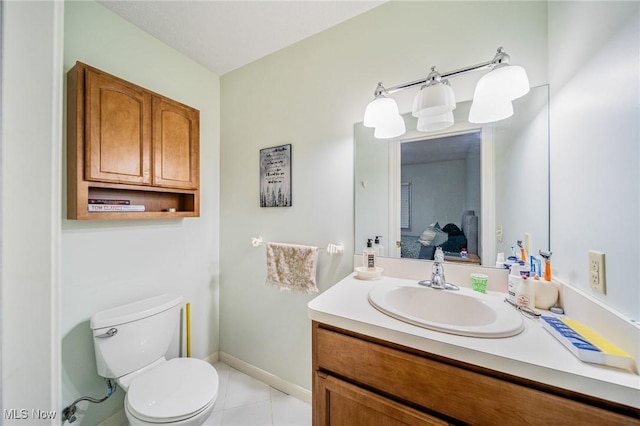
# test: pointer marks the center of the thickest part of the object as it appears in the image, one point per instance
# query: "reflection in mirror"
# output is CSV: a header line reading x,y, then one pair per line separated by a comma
x,y
488,185
444,175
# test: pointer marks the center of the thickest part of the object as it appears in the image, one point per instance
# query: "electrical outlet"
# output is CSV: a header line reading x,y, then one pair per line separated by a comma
x,y
597,271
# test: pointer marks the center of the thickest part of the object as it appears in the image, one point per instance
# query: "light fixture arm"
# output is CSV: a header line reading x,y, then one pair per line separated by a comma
x,y
380,90
434,77
500,57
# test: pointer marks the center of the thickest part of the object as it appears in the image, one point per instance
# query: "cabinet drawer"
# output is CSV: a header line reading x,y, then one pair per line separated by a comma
x,y
348,405
453,391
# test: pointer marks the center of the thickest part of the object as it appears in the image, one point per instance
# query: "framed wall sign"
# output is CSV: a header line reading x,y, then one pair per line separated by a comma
x,y
275,176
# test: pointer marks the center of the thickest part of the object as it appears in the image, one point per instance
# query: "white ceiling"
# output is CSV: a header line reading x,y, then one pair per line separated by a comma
x,y
445,148
225,35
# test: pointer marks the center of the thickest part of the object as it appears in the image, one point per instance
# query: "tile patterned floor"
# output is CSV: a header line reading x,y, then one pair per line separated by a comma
x,y
245,401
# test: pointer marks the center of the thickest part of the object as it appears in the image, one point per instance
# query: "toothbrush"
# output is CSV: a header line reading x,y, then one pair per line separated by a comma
x,y
523,254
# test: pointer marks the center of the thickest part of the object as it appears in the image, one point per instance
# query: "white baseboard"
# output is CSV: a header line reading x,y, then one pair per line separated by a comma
x,y
118,419
213,358
264,376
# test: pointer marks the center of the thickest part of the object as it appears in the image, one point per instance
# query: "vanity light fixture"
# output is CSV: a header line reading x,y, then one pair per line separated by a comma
x,y
434,98
382,114
436,122
435,101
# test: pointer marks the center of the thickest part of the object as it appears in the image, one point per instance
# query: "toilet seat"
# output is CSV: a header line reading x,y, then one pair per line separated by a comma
x,y
173,391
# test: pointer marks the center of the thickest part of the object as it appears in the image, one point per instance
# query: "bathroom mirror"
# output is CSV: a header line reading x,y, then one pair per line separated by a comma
x,y
498,171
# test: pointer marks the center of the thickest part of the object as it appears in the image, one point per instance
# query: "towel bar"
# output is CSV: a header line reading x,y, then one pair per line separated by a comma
x,y
331,248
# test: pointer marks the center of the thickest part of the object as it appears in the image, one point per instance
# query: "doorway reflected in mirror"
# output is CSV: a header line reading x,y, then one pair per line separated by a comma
x,y
444,176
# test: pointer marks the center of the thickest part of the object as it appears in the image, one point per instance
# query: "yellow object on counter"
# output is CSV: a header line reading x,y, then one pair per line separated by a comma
x,y
586,344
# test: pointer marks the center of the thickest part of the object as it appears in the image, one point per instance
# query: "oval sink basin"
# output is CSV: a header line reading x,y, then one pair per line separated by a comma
x,y
463,312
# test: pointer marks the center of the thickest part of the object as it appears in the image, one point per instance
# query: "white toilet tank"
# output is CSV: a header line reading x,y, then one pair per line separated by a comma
x,y
130,337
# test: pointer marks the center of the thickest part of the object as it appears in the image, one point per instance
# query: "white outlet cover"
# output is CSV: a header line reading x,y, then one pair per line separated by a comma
x,y
597,272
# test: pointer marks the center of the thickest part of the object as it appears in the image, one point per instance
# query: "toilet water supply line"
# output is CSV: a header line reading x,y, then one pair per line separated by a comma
x,y
69,412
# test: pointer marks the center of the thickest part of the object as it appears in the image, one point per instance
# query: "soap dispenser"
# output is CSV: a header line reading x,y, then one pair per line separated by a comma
x,y
525,294
377,246
369,256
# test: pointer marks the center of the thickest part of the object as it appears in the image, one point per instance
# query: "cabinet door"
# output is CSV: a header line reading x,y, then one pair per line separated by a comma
x,y
176,136
338,403
118,131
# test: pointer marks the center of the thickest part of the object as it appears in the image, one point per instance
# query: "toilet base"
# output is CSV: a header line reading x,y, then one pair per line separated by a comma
x,y
195,420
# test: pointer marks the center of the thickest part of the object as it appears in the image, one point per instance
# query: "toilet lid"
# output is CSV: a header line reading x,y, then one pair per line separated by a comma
x,y
174,390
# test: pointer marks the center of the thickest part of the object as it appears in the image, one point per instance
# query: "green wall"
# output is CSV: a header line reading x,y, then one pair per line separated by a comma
x,y
108,263
310,95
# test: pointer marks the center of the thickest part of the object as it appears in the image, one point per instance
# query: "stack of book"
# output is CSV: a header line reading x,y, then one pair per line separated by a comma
x,y
105,205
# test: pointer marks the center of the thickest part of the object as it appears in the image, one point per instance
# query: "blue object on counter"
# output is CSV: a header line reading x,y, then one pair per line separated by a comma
x,y
586,344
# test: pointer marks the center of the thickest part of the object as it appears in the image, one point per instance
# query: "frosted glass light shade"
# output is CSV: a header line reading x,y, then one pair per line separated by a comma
x,y
380,110
432,100
391,127
437,122
504,83
489,112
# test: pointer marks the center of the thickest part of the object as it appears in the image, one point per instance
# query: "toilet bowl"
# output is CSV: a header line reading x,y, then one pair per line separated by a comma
x,y
181,391
131,342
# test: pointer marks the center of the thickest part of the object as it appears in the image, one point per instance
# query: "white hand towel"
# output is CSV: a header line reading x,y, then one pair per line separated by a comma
x,y
292,267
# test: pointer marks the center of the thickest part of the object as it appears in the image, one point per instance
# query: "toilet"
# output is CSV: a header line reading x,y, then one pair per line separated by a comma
x,y
130,344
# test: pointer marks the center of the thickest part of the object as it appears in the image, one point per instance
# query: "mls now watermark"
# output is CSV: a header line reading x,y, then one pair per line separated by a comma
x,y
25,414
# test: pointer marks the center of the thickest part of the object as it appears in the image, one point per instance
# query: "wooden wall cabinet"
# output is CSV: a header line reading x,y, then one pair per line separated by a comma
x,y
175,148
127,143
361,380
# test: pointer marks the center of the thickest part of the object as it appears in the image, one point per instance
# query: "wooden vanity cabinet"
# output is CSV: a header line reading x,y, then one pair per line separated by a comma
x,y
125,142
359,380
345,404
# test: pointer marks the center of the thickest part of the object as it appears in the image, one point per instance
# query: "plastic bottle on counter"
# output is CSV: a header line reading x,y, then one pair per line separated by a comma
x,y
516,270
514,282
526,294
377,246
369,256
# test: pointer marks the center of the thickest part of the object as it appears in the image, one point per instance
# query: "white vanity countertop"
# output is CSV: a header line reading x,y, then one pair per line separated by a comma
x,y
533,354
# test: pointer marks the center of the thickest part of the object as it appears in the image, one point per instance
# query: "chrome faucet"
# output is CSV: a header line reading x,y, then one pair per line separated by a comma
x,y
437,276
438,281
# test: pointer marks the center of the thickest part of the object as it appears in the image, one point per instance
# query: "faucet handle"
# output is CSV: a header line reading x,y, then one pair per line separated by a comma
x,y
437,281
